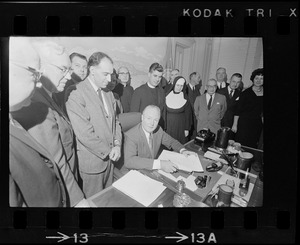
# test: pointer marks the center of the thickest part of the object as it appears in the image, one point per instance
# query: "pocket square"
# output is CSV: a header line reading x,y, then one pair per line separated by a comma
x,y
218,103
237,98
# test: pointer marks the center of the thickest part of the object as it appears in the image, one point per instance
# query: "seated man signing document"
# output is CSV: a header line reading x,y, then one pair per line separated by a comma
x,y
142,143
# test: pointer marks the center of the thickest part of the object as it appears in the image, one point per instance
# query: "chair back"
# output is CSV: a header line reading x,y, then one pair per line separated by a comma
x,y
129,120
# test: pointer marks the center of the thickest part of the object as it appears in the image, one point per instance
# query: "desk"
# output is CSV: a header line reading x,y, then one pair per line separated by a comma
x,y
112,197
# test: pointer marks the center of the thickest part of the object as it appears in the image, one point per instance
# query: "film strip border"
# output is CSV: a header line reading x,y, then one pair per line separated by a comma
x,y
269,20
149,19
251,225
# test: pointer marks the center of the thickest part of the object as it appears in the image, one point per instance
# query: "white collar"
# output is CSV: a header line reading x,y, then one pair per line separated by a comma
x,y
150,85
208,96
192,86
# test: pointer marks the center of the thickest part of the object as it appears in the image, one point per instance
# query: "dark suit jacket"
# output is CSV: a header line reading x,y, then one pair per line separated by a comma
x,y
34,179
137,152
227,120
95,130
48,125
192,95
210,119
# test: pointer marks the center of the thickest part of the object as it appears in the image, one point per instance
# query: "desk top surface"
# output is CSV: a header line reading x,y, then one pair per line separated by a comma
x,y
112,197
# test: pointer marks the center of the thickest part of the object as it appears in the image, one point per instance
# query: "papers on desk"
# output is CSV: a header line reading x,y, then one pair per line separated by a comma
x,y
139,187
214,156
190,163
189,181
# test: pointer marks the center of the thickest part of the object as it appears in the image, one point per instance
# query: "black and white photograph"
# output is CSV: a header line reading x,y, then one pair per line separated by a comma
x,y
98,122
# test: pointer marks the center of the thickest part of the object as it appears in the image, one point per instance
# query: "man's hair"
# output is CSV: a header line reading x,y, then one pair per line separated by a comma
x,y
151,107
123,67
96,58
194,74
74,54
176,70
257,72
220,69
156,67
238,75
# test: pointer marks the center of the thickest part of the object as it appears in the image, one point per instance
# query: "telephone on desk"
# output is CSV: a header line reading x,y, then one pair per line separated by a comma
x,y
204,136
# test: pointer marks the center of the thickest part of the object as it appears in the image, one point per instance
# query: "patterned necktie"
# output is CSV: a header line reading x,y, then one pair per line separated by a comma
x,y
209,102
230,95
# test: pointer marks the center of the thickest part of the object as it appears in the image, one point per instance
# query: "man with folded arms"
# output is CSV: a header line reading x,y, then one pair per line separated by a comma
x,y
143,142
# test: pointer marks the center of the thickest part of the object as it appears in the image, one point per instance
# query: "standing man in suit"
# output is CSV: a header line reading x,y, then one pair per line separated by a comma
x,y
150,93
193,91
143,142
34,178
47,123
93,116
232,96
221,76
210,108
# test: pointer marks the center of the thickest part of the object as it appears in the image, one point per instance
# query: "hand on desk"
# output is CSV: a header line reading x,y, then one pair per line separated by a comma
x,y
189,153
168,166
115,153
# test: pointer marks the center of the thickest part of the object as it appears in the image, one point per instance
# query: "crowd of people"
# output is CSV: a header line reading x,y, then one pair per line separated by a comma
x,y
65,135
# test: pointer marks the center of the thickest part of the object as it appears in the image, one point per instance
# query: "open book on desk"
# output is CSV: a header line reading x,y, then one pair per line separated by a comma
x,y
190,164
139,187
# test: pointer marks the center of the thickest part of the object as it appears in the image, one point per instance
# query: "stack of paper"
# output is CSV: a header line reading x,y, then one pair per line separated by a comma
x,y
139,187
190,163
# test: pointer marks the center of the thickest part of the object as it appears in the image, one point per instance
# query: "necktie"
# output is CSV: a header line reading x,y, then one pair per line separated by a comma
x,y
230,95
151,142
102,98
209,102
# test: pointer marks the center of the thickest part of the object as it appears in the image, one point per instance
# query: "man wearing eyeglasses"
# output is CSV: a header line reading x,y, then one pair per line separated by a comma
x,y
78,73
210,108
47,123
92,111
124,89
34,178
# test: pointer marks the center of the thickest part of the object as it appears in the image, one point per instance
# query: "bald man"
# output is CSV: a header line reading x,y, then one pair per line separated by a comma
x,y
47,123
210,108
143,142
34,178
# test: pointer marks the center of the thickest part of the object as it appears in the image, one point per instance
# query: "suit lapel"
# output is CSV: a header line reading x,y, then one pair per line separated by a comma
x,y
90,92
204,102
27,139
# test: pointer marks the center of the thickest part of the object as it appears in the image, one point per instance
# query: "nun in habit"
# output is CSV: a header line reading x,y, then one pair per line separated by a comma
x,y
178,111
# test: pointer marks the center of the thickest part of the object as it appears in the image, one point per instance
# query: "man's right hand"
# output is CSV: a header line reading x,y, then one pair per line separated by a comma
x,y
168,166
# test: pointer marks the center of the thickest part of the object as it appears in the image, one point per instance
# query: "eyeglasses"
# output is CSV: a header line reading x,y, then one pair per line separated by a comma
x,y
36,73
123,73
64,71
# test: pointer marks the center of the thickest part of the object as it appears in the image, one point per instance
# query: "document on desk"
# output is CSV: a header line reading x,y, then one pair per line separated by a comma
x,y
190,163
139,187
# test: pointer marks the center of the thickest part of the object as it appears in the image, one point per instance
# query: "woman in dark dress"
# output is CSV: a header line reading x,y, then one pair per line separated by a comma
x,y
178,111
248,122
